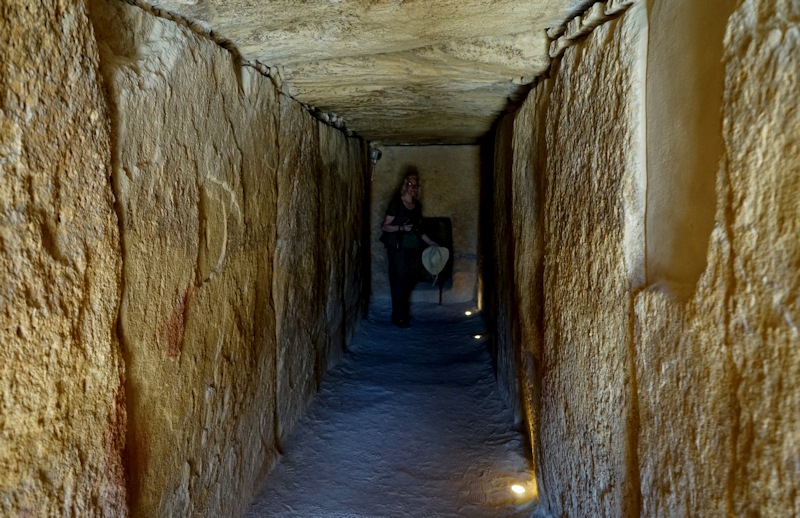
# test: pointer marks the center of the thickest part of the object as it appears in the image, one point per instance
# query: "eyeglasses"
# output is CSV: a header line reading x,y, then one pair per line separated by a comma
x,y
409,184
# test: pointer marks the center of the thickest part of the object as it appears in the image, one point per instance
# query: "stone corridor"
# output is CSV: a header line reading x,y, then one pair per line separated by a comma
x,y
191,198
409,424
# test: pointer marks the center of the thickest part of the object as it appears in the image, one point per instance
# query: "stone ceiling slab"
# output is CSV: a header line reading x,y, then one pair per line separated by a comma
x,y
396,71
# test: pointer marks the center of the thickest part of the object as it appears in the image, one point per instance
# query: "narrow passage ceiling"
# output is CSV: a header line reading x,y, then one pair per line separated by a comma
x,y
395,71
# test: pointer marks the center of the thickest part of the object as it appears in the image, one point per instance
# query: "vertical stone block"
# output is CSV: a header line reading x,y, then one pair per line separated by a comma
x,y
502,263
195,160
357,245
298,284
685,396
761,132
62,396
719,427
340,233
527,181
593,231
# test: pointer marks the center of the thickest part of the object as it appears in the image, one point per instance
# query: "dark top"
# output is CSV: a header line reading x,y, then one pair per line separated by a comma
x,y
404,216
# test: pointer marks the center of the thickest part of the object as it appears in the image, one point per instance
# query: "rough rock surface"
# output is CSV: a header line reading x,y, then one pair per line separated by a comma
x,y
62,410
655,402
685,401
529,164
718,375
395,71
593,217
296,286
499,260
340,227
450,177
762,141
223,319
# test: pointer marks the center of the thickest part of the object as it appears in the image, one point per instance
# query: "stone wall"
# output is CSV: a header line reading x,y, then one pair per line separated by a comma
x,y
527,187
500,260
181,262
593,222
655,402
718,374
685,75
450,177
62,403
230,199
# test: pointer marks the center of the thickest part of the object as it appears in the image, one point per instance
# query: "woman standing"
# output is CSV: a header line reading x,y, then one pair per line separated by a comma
x,y
403,238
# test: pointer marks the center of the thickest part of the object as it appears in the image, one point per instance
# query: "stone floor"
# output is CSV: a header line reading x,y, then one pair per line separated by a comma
x,y
409,424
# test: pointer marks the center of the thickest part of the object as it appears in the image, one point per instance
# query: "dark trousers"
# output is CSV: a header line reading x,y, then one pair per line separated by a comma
x,y
403,265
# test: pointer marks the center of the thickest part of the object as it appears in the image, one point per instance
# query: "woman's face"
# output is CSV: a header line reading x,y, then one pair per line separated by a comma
x,y
411,186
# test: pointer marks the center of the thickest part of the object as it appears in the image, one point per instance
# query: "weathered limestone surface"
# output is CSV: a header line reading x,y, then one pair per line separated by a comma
x,y
719,374
501,261
762,141
654,402
395,71
686,396
194,172
340,227
593,227
528,167
223,319
450,177
520,163
62,411
297,285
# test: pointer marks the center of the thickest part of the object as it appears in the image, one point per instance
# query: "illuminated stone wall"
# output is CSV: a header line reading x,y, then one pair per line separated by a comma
x,y
181,262
661,392
62,400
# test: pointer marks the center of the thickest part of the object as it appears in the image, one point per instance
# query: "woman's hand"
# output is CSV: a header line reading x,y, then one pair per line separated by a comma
x,y
428,240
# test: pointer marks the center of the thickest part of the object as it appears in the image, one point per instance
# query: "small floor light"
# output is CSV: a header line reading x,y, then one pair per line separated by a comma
x,y
518,489
477,337
468,312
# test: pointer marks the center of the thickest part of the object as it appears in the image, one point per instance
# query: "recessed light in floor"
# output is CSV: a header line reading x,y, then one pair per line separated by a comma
x,y
518,489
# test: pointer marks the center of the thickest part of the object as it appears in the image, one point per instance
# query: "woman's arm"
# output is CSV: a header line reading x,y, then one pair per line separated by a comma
x,y
428,240
388,227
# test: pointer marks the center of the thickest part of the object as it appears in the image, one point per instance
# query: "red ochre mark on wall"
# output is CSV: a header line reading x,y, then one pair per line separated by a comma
x,y
114,445
172,329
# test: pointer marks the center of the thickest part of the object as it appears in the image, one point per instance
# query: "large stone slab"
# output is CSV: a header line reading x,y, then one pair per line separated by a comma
x,y
394,71
62,397
527,202
195,170
685,394
500,261
761,131
717,374
340,231
593,257
299,283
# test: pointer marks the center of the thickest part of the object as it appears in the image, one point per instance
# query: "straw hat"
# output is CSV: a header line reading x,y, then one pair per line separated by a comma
x,y
434,259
